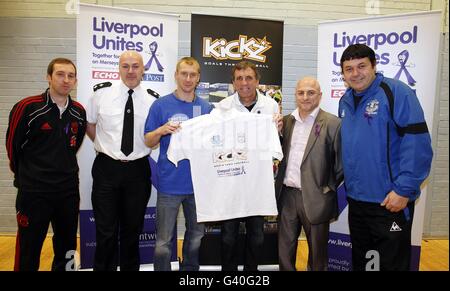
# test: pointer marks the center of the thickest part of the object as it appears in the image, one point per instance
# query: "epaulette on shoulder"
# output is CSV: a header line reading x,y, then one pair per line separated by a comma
x,y
102,85
153,93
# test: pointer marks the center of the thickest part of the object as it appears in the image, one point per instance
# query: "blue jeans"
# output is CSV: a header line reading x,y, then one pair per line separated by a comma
x,y
167,207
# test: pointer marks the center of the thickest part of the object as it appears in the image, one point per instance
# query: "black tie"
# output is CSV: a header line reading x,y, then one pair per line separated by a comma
x,y
128,125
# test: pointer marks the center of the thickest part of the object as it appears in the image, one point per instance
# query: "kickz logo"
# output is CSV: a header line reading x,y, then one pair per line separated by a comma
x,y
239,49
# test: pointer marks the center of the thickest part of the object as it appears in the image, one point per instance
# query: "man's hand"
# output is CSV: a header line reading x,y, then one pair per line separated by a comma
x,y
394,202
169,128
152,138
278,119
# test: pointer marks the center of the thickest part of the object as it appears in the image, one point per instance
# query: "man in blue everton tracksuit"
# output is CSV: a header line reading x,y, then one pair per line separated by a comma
x,y
386,153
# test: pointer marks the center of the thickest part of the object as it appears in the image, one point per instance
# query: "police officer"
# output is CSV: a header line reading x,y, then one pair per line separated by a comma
x,y
121,171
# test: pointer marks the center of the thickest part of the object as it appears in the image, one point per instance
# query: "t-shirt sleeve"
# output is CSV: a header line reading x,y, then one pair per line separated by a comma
x,y
276,108
92,108
176,152
154,118
277,152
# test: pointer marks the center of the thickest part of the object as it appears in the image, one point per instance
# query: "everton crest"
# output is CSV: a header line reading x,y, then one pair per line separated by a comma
x,y
372,107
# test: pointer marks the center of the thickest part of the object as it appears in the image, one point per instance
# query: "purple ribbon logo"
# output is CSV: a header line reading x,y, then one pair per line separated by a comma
x,y
317,128
153,48
403,59
371,110
368,117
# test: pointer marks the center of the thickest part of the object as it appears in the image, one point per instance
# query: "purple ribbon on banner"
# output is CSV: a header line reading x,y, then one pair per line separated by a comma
x,y
403,59
153,48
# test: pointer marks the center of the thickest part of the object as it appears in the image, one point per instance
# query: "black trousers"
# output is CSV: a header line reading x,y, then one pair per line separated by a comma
x,y
374,228
120,193
35,212
254,241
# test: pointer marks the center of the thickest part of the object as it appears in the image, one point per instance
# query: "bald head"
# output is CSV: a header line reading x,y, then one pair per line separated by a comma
x,y
310,82
131,68
307,95
131,54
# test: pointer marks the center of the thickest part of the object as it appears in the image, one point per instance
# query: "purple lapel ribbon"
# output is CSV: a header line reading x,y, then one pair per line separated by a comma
x,y
368,117
66,129
317,128
403,59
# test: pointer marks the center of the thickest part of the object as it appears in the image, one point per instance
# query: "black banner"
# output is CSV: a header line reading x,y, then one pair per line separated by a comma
x,y
218,43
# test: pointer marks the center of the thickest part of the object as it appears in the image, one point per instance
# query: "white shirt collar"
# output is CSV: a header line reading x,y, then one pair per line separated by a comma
x,y
312,115
254,102
61,108
238,99
124,89
65,105
225,114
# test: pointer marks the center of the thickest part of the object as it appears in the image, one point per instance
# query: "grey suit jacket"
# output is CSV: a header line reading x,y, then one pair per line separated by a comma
x,y
321,167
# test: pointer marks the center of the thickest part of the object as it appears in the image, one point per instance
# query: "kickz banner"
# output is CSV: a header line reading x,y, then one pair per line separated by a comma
x,y
103,33
218,50
407,49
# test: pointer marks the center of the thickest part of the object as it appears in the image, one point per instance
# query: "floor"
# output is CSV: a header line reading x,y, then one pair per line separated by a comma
x,y
434,255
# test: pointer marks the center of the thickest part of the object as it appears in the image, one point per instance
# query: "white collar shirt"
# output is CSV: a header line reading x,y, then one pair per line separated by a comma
x,y
106,110
61,108
264,104
299,140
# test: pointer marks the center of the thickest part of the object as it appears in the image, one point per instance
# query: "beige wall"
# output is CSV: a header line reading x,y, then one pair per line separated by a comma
x,y
303,12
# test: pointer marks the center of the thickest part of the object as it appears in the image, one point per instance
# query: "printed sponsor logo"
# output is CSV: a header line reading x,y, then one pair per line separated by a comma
x,y
105,75
153,77
242,48
337,93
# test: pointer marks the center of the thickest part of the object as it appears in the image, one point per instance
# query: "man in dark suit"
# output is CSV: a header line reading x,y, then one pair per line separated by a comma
x,y
308,177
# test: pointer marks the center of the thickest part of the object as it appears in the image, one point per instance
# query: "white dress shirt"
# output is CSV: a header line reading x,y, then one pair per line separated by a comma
x,y
299,139
106,110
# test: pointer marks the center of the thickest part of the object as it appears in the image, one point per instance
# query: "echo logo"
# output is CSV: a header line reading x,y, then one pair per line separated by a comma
x,y
337,93
105,75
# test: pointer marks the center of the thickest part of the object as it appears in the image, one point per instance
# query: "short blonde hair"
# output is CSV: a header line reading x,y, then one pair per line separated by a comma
x,y
190,61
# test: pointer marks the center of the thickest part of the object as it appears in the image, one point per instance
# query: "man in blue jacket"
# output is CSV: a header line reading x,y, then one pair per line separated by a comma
x,y
386,154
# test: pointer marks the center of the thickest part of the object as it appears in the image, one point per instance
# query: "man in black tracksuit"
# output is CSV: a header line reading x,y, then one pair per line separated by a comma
x,y
44,134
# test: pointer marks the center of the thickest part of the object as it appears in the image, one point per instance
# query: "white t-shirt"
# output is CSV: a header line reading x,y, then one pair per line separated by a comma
x,y
230,154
